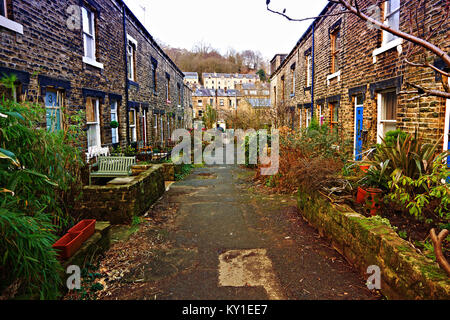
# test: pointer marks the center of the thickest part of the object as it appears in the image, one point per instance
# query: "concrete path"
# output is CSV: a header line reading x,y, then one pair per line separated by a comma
x,y
217,238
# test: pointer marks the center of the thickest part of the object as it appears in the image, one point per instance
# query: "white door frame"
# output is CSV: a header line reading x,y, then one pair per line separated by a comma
x,y
447,122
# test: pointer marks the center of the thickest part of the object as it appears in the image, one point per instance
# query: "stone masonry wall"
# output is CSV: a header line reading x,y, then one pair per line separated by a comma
x,y
49,55
363,74
405,274
119,203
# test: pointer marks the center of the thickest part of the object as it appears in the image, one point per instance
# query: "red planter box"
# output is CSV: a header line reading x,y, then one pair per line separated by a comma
x,y
68,244
85,227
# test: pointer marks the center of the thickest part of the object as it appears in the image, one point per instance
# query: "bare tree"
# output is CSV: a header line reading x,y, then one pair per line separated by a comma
x,y
417,39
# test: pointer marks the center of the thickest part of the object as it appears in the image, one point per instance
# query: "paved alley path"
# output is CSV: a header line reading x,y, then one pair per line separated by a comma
x,y
212,236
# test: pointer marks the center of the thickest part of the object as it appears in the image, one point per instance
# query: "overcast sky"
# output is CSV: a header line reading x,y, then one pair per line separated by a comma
x,y
239,24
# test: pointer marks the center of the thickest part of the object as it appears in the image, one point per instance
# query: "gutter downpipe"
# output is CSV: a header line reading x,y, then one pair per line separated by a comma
x,y
312,73
126,72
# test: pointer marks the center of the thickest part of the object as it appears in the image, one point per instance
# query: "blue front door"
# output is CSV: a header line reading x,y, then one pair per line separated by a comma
x,y
358,132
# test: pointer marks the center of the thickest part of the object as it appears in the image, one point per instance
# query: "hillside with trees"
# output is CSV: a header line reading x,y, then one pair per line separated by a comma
x,y
204,58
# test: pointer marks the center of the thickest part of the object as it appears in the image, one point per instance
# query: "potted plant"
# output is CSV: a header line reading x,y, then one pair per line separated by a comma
x,y
114,124
374,183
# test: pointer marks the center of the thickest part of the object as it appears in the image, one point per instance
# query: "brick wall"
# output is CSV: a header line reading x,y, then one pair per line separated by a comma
x,y
361,74
49,55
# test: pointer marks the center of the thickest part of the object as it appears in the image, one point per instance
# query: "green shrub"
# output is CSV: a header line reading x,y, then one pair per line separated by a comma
x,y
39,183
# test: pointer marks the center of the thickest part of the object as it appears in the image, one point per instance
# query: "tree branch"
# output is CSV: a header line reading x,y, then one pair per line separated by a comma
x,y
429,92
437,244
418,41
304,19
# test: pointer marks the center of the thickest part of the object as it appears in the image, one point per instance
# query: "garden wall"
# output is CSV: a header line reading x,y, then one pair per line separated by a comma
x,y
405,273
119,203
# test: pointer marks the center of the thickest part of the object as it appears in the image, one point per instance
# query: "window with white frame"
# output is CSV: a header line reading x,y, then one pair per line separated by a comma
x,y
88,33
391,19
132,121
93,122
307,116
114,117
131,50
155,126
308,70
387,113
3,11
200,103
320,114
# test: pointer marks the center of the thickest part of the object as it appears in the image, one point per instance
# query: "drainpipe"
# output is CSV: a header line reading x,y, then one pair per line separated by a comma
x,y
126,73
312,74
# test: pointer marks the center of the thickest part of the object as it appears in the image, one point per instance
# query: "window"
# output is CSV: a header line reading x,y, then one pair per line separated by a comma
x,y
387,113
168,88
335,48
221,102
200,103
293,79
93,122
334,115
282,88
179,93
211,102
155,126
275,95
3,11
391,19
114,117
200,113
308,70
132,121
89,37
7,23
320,114
53,102
131,49
308,117
154,78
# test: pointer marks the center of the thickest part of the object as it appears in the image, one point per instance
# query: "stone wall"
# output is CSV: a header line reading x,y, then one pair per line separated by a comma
x,y
405,273
49,54
119,203
363,71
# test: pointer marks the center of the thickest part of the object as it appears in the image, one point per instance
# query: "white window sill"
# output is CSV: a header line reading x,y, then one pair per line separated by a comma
x,y
334,75
387,46
93,62
11,25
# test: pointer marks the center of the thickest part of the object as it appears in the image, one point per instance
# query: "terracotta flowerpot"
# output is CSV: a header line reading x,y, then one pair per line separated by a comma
x,y
364,168
85,227
370,196
68,244
373,199
361,195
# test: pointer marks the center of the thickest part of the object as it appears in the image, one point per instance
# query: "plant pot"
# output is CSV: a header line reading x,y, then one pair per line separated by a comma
x,y
373,198
361,195
364,168
68,244
85,227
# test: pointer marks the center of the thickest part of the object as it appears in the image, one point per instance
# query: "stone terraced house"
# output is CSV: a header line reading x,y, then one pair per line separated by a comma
x,y
352,76
94,56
